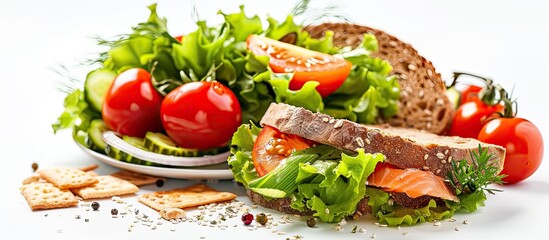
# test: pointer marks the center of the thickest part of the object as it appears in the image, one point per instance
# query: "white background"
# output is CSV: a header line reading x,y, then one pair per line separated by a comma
x,y
505,40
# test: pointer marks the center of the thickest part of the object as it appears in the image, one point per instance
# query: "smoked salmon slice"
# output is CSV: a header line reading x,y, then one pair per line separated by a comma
x,y
413,182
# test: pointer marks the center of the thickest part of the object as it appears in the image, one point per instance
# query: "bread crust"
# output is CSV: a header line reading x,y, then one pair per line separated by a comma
x,y
423,103
402,147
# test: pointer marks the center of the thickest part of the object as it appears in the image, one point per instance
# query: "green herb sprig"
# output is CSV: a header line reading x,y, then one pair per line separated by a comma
x,y
471,178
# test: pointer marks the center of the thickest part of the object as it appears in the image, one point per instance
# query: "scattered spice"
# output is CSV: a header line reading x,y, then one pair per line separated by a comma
x,y
159,182
114,211
354,229
247,218
261,218
34,166
311,222
95,206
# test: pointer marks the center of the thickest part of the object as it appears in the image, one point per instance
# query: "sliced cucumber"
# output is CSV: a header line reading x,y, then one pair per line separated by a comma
x,y
95,135
160,143
96,86
126,157
454,96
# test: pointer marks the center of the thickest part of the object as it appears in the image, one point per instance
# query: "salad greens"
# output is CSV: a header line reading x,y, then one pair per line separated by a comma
x,y
219,53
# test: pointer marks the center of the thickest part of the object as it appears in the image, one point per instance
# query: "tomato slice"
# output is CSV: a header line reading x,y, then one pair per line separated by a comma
x,y
307,65
272,146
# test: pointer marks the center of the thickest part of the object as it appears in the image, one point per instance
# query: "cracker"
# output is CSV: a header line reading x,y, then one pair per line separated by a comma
x,y
107,186
137,178
44,195
89,168
92,173
172,213
192,196
67,178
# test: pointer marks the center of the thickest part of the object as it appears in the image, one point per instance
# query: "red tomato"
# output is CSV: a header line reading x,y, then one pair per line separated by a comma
x,y
132,105
523,143
201,115
308,65
469,94
272,146
469,117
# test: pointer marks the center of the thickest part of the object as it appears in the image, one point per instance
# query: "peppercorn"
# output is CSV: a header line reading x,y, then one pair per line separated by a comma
x,y
261,218
311,222
34,166
95,206
247,218
114,211
159,183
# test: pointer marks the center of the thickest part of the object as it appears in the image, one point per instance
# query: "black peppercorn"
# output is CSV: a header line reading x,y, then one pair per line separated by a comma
x,y
114,211
311,222
95,206
159,182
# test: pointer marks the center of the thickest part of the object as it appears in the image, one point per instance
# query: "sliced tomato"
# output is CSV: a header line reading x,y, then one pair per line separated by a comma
x,y
307,65
272,146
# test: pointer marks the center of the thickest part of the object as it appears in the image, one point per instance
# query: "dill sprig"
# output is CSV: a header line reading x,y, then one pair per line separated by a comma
x,y
311,15
470,178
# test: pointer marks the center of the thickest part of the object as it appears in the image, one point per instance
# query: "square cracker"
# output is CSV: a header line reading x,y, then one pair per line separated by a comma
x,y
136,178
44,195
192,196
107,186
67,178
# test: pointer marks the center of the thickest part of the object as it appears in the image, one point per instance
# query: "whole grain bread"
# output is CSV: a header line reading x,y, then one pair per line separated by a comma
x,y
423,103
402,147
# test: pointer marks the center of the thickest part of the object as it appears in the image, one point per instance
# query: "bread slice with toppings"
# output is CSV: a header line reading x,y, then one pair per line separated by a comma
x,y
423,103
403,147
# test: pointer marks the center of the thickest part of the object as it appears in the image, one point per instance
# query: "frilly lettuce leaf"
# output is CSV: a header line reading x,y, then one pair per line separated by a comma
x,y
241,25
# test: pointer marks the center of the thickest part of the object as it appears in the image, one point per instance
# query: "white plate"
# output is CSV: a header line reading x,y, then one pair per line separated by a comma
x,y
218,171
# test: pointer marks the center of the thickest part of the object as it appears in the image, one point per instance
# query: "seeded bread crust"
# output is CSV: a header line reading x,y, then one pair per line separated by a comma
x,y
403,147
423,103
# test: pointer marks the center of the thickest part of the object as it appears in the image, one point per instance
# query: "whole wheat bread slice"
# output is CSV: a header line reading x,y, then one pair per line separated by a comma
x,y
423,103
403,147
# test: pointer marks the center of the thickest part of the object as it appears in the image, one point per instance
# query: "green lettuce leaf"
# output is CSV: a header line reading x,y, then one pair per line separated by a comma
x,y
77,115
241,25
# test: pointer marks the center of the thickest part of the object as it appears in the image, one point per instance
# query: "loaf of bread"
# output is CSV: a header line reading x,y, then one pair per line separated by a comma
x,y
423,103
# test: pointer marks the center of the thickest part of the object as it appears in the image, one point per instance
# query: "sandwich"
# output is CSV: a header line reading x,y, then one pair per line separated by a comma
x,y
309,163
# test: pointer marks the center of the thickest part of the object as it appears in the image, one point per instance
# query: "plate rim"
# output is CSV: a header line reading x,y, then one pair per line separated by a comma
x,y
178,173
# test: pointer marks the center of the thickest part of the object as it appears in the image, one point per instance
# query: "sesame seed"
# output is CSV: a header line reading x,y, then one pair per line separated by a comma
x,y
331,121
281,233
421,94
426,156
392,43
427,111
429,125
443,161
440,101
367,141
412,67
426,168
449,158
338,124
360,142
440,155
451,220
436,224
437,171
446,152
325,119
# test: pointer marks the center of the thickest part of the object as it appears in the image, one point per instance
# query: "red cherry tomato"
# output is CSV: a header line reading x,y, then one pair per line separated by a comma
x,y
523,143
201,115
308,65
470,93
272,146
132,105
469,117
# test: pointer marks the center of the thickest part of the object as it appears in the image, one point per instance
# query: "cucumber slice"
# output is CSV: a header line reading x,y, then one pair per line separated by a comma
x,y
454,96
95,135
96,86
126,157
160,143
